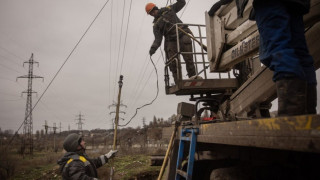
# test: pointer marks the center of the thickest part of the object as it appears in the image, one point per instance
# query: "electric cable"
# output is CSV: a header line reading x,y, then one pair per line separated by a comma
x,y
140,78
125,39
138,95
115,79
12,61
155,68
136,52
11,53
184,8
11,69
134,102
58,71
145,84
110,54
6,100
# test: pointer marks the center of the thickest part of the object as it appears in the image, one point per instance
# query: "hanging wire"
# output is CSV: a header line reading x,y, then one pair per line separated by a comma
x,y
147,103
185,8
138,95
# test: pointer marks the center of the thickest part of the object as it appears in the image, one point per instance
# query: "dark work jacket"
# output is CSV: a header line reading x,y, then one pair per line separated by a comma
x,y
78,166
296,6
163,24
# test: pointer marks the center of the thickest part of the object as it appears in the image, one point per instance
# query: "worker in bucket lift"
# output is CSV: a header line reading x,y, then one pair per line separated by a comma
x,y
163,25
76,164
283,49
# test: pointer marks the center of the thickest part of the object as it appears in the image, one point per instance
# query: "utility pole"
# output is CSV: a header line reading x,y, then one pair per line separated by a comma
x,y
117,114
46,127
60,127
54,136
80,119
116,122
27,123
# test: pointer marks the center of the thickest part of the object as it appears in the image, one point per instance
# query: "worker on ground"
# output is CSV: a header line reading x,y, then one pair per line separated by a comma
x,y
283,49
163,25
76,164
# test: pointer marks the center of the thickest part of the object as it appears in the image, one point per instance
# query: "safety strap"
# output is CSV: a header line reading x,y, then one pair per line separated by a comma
x,y
161,17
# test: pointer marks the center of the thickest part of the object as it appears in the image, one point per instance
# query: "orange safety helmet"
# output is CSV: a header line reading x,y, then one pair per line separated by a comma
x,y
150,7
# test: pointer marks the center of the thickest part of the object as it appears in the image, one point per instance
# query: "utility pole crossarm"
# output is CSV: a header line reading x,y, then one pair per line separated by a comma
x,y
123,105
119,118
27,76
119,112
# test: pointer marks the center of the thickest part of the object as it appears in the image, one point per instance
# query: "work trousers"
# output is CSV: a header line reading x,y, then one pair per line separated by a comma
x,y
185,46
283,46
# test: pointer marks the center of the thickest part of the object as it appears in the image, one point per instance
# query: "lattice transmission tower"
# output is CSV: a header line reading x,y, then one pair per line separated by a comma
x,y
80,119
27,143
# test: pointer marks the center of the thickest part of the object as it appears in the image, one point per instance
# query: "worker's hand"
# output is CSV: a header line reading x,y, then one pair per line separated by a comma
x,y
111,154
152,51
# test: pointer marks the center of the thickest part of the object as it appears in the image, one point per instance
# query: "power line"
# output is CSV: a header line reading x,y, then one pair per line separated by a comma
x,y
11,53
5,100
8,94
62,66
9,68
12,61
124,4
110,49
125,40
140,77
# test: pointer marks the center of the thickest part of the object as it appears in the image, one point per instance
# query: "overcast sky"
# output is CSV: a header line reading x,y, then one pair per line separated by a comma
x,y
87,83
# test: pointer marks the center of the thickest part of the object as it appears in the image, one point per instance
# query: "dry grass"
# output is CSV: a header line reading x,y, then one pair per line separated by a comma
x,y
32,167
128,165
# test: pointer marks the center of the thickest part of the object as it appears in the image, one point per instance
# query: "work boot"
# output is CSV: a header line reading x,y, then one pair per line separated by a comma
x,y
291,96
311,98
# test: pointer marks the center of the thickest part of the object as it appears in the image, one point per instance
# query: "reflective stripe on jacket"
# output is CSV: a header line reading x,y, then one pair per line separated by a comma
x,y
74,166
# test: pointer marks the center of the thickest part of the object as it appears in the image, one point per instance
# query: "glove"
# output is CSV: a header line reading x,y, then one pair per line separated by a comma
x,y
152,51
111,154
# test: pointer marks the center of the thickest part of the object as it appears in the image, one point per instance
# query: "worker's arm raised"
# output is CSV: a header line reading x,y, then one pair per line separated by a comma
x,y
178,5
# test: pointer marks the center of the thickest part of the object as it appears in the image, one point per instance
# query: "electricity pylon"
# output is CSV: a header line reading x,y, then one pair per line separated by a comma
x,y
28,124
80,119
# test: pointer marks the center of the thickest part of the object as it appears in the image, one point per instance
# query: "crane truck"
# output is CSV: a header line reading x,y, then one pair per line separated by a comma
x,y
239,138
